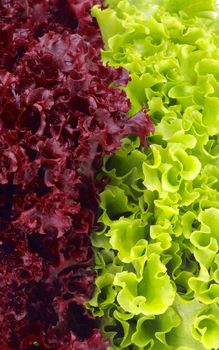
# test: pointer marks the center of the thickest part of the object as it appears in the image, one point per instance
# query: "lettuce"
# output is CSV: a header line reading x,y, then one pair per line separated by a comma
x,y
61,111
156,251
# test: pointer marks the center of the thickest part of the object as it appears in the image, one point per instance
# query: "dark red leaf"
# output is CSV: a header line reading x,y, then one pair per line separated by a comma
x,y
58,118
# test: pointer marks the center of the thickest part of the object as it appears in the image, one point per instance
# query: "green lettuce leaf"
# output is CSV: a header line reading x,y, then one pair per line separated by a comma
x,y
157,250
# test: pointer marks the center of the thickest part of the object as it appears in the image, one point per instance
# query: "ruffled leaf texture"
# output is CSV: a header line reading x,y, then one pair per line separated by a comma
x,y
156,249
58,117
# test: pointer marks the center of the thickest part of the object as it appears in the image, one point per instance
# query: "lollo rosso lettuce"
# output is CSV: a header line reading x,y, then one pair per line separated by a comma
x,y
156,249
58,117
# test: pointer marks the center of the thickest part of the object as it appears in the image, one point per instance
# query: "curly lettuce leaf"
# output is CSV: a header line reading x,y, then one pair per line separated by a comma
x,y
159,213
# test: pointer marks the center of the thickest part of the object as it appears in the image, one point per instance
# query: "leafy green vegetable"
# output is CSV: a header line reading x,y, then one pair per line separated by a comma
x,y
157,253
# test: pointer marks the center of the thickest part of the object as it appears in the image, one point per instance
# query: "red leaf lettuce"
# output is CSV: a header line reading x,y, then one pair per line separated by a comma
x,y
58,117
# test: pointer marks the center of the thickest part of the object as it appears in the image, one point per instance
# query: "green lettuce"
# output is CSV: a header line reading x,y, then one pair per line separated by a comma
x,y
157,250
